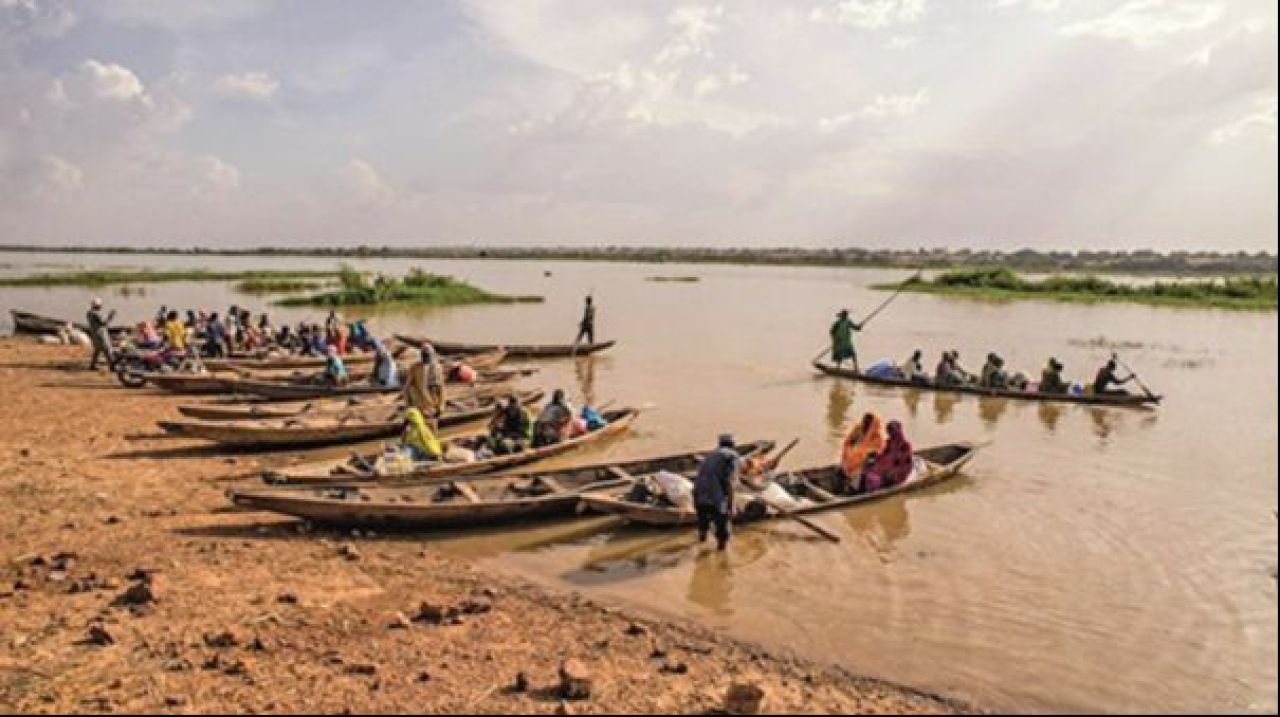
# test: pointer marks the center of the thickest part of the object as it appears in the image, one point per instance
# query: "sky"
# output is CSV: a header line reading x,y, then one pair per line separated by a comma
x,y
1051,124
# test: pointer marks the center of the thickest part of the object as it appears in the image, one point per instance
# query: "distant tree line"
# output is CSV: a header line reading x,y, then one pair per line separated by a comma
x,y
1140,261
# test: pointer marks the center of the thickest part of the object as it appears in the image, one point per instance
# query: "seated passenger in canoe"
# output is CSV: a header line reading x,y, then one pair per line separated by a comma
x,y
554,421
1051,380
385,371
418,440
335,371
890,466
511,427
950,372
993,373
913,369
1106,383
865,438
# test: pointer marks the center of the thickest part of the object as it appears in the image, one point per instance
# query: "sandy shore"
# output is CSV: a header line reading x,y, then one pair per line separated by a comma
x,y
129,586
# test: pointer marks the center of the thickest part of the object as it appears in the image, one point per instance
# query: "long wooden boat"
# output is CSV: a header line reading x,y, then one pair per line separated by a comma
x,y
479,362
299,391
478,500
225,382
26,322
360,468
1130,400
249,408
527,351
815,489
327,429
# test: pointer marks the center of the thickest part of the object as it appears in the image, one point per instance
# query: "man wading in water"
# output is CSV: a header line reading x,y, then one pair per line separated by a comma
x,y
713,491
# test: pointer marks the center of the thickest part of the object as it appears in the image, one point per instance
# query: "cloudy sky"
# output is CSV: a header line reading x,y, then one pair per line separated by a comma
x,y
880,123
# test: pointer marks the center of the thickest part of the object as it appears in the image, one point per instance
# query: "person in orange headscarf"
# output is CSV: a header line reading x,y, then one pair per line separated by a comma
x,y
865,438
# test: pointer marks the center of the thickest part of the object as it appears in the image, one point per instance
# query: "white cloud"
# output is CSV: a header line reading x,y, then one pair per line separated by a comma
x,y
58,176
1041,5
110,81
1260,120
218,175
891,106
902,42
870,14
254,86
1148,22
35,18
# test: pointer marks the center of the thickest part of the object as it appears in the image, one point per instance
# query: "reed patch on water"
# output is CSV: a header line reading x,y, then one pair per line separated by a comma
x,y
999,283
357,288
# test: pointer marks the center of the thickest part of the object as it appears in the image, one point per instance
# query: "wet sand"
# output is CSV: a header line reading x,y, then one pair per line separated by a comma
x,y
247,612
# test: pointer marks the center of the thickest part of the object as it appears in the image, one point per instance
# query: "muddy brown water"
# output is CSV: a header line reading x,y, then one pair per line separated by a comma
x,y
1090,559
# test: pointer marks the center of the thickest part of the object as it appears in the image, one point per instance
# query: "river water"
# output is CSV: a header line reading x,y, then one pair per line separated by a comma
x,y
1091,559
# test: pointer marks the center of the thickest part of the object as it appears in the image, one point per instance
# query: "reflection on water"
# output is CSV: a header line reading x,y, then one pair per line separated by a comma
x,y
1049,414
584,368
839,401
943,404
711,581
880,525
991,409
1104,422
911,399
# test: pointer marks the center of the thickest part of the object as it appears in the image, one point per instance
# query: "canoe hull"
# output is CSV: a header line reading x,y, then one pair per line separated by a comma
x,y
951,458
394,509
526,351
1131,401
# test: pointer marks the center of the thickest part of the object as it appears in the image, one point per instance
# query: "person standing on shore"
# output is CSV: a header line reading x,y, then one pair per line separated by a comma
x,y
713,491
587,326
424,387
99,335
842,339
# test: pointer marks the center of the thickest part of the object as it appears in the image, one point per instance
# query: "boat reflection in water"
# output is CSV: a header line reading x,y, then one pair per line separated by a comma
x,y
839,401
944,405
584,368
1049,414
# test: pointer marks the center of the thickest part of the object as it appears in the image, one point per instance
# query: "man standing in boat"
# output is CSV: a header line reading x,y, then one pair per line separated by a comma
x,y
98,334
587,326
842,339
713,491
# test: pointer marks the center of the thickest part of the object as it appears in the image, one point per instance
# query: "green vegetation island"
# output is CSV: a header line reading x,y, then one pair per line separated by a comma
x,y
678,279
1141,261
418,288
277,286
998,283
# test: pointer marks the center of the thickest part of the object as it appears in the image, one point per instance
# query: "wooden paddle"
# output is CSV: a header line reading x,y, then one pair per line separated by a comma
x,y
874,312
788,514
1154,398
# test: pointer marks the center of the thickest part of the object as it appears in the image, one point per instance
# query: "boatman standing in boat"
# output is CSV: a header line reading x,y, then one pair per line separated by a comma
x,y
587,326
842,339
713,491
98,334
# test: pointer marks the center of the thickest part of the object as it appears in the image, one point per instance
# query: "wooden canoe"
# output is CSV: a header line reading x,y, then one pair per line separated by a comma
x,y
817,487
25,322
357,468
479,362
327,429
225,381
278,390
527,351
1129,400
474,501
250,409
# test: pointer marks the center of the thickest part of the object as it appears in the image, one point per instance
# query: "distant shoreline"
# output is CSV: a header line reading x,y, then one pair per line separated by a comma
x,y
1138,262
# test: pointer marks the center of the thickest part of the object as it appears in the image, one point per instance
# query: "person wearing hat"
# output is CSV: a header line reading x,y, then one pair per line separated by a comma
x,y
99,335
1051,380
713,490
842,339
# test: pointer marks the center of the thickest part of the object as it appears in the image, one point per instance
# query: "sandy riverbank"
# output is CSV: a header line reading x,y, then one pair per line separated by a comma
x,y
128,586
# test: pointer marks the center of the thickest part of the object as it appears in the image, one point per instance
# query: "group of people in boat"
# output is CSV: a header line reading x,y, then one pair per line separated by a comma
x,y
512,428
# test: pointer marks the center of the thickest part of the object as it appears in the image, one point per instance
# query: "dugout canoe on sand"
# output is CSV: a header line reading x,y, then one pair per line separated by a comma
x,y
26,322
1129,400
802,492
485,500
333,428
526,351
487,360
362,468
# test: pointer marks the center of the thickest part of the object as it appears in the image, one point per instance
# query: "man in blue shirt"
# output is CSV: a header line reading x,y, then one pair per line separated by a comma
x,y
713,491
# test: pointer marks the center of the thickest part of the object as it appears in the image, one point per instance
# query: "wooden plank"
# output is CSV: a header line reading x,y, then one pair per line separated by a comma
x,y
620,474
551,483
821,494
466,491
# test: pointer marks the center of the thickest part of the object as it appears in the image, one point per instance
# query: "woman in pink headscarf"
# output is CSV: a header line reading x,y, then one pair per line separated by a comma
x,y
892,465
